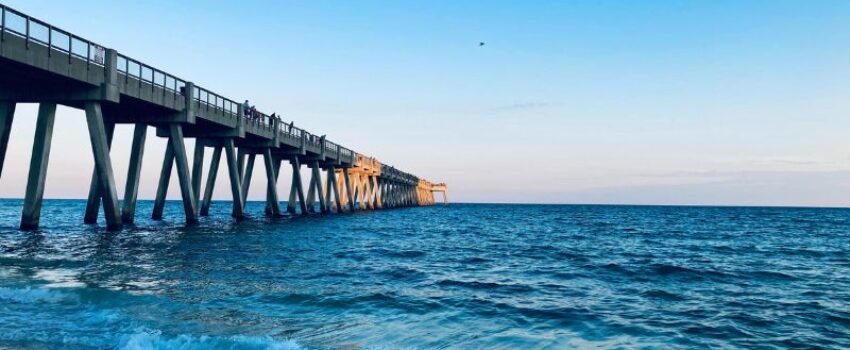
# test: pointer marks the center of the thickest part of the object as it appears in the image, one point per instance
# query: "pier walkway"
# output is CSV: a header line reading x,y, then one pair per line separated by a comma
x,y
42,64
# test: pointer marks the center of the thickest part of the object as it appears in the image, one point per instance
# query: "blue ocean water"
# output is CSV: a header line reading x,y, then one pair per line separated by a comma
x,y
462,276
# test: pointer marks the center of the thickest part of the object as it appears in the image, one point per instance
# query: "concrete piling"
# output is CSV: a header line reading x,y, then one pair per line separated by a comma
x,y
131,191
38,166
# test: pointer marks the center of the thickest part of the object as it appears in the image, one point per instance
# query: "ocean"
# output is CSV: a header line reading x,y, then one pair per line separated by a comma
x,y
465,276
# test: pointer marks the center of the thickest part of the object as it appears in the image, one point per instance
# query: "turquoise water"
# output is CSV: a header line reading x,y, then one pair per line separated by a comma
x,y
463,276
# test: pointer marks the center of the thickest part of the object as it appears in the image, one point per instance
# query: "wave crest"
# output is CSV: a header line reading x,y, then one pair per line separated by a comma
x,y
154,339
33,295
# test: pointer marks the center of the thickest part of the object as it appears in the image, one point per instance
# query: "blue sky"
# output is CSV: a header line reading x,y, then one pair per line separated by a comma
x,y
650,102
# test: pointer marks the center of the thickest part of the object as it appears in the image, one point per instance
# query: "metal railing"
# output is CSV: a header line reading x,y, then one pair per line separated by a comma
x,y
13,22
313,140
331,148
134,69
208,99
258,118
290,131
39,32
346,153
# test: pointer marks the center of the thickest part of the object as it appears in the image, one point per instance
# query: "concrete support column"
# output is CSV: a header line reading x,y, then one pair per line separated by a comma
x,y
328,192
349,195
235,185
406,195
38,166
176,141
175,153
246,178
7,114
164,179
361,191
377,189
311,190
292,203
395,196
277,161
388,195
197,167
366,199
131,190
211,177
241,163
317,175
332,184
93,203
383,192
296,192
103,165
271,198
339,190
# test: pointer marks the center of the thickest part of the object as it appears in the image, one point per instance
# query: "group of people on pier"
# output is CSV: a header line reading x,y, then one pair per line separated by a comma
x,y
252,113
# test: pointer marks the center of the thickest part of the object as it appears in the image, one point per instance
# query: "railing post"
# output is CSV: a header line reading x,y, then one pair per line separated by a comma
x,y
28,32
109,88
111,64
275,130
240,120
189,96
3,25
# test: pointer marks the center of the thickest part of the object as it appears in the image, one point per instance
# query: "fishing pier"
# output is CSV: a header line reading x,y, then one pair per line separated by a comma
x,y
42,64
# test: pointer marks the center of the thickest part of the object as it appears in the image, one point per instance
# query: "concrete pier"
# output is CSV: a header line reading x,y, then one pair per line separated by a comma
x,y
116,89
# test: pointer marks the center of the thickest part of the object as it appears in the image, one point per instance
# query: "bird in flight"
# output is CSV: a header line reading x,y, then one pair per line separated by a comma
x,y
480,44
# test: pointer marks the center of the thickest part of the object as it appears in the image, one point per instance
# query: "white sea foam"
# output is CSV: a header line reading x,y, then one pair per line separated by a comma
x,y
154,339
33,295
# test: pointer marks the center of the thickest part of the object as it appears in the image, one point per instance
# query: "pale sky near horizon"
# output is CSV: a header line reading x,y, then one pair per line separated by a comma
x,y
638,102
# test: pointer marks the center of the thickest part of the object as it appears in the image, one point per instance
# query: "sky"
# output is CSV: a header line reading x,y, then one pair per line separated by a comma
x,y
601,102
